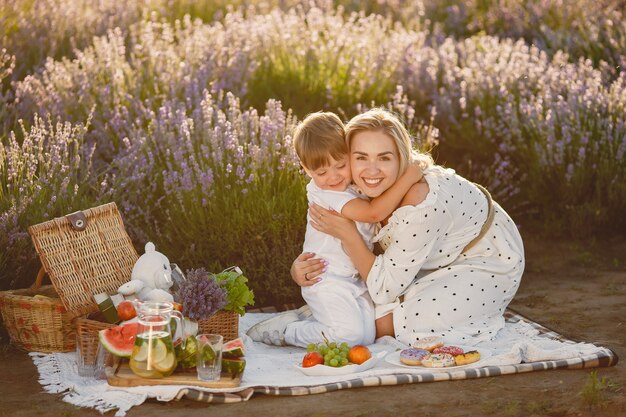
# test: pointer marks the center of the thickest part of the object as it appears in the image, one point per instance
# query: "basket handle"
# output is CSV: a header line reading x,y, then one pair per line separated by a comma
x,y
39,279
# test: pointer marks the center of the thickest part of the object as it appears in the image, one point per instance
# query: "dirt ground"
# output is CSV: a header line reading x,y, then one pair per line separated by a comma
x,y
575,288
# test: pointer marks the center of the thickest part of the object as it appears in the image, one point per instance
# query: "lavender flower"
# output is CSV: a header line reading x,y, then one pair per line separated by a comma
x,y
200,295
171,116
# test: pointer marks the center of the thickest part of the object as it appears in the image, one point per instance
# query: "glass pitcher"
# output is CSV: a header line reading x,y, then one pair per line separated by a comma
x,y
153,354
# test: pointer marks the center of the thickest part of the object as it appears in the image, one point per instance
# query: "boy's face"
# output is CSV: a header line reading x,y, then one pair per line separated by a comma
x,y
334,177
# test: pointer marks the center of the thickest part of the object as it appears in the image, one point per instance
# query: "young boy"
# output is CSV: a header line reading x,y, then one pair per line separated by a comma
x,y
340,305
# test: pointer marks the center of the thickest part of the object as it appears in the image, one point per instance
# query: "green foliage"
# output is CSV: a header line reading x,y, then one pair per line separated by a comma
x,y
261,230
315,61
307,83
534,130
237,292
594,393
206,10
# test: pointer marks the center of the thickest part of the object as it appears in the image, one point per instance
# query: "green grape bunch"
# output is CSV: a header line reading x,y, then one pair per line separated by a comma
x,y
334,355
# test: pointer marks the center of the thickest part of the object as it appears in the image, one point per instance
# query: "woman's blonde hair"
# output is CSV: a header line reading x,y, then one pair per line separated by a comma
x,y
319,137
382,120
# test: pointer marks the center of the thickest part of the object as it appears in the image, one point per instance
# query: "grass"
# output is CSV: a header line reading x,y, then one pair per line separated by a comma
x,y
538,408
511,408
490,407
496,407
595,393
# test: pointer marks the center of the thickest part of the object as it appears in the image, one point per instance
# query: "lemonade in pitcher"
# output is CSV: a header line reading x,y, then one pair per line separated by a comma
x,y
153,354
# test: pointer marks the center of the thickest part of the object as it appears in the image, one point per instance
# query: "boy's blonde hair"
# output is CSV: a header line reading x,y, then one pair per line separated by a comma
x,y
382,120
318,138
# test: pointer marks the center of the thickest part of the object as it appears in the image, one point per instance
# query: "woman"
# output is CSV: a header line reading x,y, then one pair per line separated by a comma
x,y
452,260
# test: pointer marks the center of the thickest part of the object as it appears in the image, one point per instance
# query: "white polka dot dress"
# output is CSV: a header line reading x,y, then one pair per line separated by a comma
x,y
460,296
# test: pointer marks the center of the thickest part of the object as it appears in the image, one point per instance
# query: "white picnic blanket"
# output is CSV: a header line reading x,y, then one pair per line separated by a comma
x,y
270,366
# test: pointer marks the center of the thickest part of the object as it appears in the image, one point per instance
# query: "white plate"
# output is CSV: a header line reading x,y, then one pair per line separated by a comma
x,y
394,359
323,370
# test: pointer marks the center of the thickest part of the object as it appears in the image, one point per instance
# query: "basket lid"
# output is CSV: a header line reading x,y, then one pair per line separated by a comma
x,y
85,253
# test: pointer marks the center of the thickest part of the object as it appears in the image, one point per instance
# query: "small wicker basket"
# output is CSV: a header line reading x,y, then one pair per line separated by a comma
x,y
223,322
37,324
87,337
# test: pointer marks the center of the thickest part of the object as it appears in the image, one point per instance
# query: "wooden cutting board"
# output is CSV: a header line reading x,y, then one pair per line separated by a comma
x,y
122,376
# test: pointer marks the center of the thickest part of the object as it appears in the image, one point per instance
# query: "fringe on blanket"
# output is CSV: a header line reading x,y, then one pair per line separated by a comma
x,y
49,373
79,391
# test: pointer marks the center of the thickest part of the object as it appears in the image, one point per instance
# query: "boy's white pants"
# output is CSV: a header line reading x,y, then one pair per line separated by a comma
x,y
342,309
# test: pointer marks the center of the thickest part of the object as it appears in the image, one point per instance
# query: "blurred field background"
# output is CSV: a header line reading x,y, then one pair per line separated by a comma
x,y
181,112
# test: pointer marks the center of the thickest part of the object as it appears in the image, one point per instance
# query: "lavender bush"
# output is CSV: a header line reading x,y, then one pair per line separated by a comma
x,y
527,126
34,31
576,157
217,185
589,29
45,171
200,294
7,64
596,30
123,86
190,132
278,55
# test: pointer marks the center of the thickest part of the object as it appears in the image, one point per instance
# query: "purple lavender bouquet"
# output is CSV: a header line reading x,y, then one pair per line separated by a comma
x,y
200,294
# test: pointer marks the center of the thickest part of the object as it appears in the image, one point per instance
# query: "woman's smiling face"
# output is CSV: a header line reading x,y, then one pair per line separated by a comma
x,y
374,162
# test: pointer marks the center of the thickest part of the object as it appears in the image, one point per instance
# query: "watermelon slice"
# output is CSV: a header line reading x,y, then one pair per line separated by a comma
x,y
233,366
119,340
233,349
187,357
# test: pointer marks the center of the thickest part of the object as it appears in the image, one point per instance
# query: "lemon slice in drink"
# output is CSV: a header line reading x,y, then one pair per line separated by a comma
x,y
140,369
141,352
166,364
157,354
159,351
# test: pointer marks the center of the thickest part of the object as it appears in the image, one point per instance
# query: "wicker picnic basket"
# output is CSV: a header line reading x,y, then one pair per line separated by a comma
x,y
223,322
85,253
36,320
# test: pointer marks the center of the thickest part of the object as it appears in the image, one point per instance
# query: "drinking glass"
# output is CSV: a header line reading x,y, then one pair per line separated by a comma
x,y
85,367
209,359
103,360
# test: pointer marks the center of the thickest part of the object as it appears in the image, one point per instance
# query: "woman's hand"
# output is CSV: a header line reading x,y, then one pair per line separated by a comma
x,y
306,270
332,223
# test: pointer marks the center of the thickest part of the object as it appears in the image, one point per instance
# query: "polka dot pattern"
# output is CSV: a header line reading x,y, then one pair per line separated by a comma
x,y
460,296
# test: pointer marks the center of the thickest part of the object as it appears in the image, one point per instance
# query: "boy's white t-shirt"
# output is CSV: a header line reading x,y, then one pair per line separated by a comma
x,y
326,246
